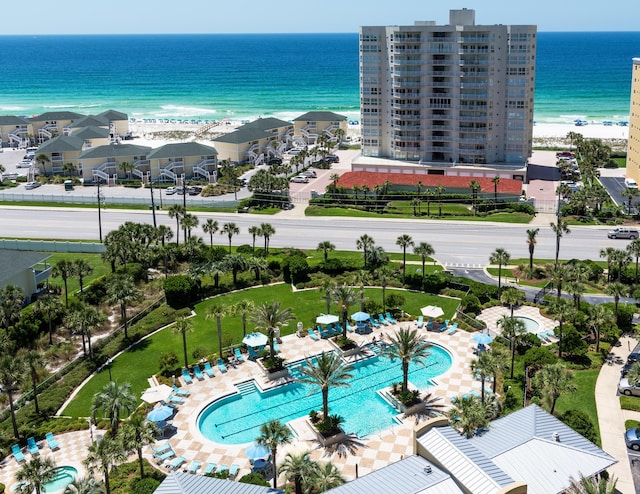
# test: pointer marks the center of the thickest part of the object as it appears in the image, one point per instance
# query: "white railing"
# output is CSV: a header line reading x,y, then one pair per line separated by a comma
x,y
198,170
100,174
107,165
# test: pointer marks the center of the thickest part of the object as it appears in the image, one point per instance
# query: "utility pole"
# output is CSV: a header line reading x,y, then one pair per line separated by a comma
x,y
153,206
99,211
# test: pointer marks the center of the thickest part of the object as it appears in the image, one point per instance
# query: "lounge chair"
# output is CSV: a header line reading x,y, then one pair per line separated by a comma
x,y
210,468
160,457
373,322
163,448
194,466
180,392
233,471
222,468
444,326
51,441
324,334
390,318
276,348
176,462
32,446
382,320
453,328
198,372
253,355
176,399
351,328
221,366
238,355
208,370
17,453
339,328
186,376
420,322
313,334
429,325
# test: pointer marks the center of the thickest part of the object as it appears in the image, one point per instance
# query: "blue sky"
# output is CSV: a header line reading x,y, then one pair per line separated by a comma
x,y
289,16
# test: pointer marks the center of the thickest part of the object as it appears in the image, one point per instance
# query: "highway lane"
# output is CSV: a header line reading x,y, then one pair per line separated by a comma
x,y
456,243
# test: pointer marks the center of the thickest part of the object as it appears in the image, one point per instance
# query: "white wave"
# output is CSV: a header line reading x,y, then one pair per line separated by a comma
x,y
184,111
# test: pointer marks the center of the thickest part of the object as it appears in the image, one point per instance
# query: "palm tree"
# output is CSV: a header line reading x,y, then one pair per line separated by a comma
x,y
531,242
81,269
361,278
500,257
599,316
35,474
230,229
84,485
616,290
254,231
11,375
164,234
609,254
236,263
122,290
327,286
562,310
34,362
467,414
183,326
114,399
83,319
404,241
136,433
272,435
407,345
475,187
344,297
189,222
440,189
326,247
210,227
104,454
326,371
64,269
593,485
11,302
325,476
177,211
620,258
512,297
217,312
559,228
267,232
424,250
575,289
242,308
297,467
49,307
496,181
365,242
384,274
270,316
554,380
634,250
483,366
42,159
513,329
557,273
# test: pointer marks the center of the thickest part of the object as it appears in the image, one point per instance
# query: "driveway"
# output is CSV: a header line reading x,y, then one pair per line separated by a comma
x,y
615,186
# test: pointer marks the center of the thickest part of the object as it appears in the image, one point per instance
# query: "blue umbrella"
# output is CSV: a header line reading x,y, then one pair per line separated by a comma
x,y
360,316
255,450
160,414
482,338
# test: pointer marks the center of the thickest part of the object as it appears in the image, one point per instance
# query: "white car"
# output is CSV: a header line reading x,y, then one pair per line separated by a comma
x,y
9,175
170,190
32,185
24,164
300,179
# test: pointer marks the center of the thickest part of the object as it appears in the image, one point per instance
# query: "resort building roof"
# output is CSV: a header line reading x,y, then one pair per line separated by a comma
x,y
56,115
17,261
91,132
90,120
320,116
62,144
179,149
113,115
184,483
114,150
12,120
253,131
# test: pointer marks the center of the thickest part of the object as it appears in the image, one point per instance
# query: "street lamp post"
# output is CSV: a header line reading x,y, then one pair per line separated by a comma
x,y
99,211
109,369
90,429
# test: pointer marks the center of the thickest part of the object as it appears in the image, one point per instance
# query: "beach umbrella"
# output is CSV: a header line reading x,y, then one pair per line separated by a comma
x,y
157,393
255,339
482,338
160,414
360,316
255,450
432,311
327,319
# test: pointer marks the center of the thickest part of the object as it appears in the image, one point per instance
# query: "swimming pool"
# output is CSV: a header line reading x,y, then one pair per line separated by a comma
x,y
236,419
531,325
63,476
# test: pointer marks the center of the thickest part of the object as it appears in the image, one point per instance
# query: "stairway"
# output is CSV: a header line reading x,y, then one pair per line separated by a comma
x,y
246,388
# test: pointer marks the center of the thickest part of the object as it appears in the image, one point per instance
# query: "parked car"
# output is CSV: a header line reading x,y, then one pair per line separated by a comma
x,y
243,210
32,185
24,164
626,388
274,161
180,191
9,175
309,173
170,190
632,438
623,232
287,206
332,158
300,179
630,183
194,190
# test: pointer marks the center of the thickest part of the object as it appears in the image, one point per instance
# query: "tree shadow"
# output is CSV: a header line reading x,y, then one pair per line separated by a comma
x,y
349,446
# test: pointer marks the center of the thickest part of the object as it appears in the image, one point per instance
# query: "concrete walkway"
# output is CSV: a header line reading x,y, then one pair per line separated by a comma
x,y
611,418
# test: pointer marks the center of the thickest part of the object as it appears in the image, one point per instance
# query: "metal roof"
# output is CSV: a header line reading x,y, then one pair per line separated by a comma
x,y
407,475
320,116
184,483
180,149
90,120
56,115
61,144
91,132
113,115
11,120
14,262
114,151
253,131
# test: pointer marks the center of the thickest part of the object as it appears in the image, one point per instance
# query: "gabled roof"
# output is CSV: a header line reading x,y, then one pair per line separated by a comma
x,y
180,149
91,132
12,120
56,115
114,151
90,120
253,131
408,475
61,144
112,115
14,262
320,116
184,483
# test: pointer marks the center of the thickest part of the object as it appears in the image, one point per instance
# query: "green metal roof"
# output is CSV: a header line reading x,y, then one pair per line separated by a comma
x,y
253,131
114,151
91,120
12,120
14,262
91,132
113,115
180,149
56,115
61,144
320,116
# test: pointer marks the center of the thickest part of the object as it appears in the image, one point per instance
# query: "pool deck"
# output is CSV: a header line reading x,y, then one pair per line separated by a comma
x,y
492,315
370,453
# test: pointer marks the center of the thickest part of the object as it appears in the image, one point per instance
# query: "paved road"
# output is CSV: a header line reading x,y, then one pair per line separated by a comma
x,y
615,186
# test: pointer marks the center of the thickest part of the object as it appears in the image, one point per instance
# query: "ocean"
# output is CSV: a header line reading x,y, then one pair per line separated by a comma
x,y
244,76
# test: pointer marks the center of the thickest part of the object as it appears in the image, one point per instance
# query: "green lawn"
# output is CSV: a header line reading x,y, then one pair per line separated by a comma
x,y
584,398
100,268
140,363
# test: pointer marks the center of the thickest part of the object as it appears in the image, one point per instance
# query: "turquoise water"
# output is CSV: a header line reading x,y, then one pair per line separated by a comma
x,y
63,477
529,324
237,419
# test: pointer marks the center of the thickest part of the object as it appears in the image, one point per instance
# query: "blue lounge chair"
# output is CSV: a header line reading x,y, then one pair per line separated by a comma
x,y
221,366
453,328
445,325
32,446
373,322
238,355
177,462
429,325
180,392
194,466
420,322
233,471
198,372
324,334
208,370
163,448
176,399
253,355
351,328
160,457
51,441
313,334
390,318
222,468
210,468
186,376
382,320
276,348
17,453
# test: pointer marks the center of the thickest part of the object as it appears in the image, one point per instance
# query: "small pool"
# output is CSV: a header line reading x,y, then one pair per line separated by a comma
x,y
63,476
236,419
531,325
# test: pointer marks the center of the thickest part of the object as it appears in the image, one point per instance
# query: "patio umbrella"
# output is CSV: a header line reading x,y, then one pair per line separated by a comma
x,y
160,414
157,393
255,450
327,319
482,338
432,311
255,339
360,316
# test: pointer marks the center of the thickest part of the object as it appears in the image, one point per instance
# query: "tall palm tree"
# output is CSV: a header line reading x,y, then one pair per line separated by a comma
x,y
136,433
243,308
327,286
81,269
512,297
562,310
83,319
11,375
35,365
267,232
114,399
558,274
440,189
183,326
236,263
513,329
64,269
475,187
217,312
344,297
35,474
273,434
49,306
384,274
164,234
599,316
554,380
361,278
620,258
365,242
230,229
177,211
593,485
467,414
11,302
634,250
254,231
84,485
297,467
189,222
483,366
407,345
326,371
104,454
325,247
211,227
496,181
559,228
122,290
531,242
325,476
269,316
404,241
616,290
500,257
608,253
424,250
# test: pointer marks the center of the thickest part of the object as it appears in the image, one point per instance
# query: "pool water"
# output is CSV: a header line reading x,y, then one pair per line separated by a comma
x,y
237,419
530,325
63,477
